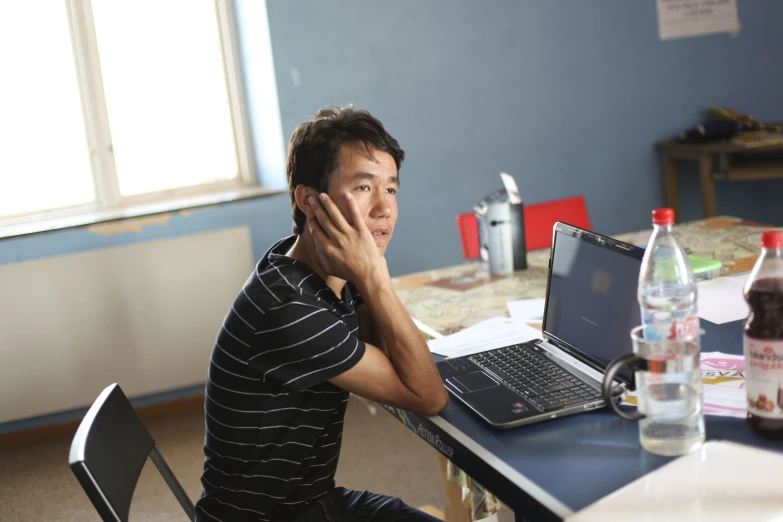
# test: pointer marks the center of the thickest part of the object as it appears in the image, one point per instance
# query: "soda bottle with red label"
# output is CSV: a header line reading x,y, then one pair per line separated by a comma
x,y
764,339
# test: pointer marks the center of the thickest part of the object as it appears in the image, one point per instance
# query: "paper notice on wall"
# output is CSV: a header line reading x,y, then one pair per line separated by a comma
x,y
682,18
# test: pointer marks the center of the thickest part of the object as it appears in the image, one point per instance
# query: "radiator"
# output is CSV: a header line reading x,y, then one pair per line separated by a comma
x,y
143,315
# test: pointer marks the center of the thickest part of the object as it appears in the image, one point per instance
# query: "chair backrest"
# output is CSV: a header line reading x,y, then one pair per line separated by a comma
x,y
108,453
539,220
467,225
541,217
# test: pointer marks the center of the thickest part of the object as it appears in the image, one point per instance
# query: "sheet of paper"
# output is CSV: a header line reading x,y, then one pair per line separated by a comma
x,y
721,299
717,364
523,310
725,401
681,18
486,335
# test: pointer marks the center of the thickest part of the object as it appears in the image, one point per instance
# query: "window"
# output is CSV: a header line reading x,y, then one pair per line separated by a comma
x,y
115,104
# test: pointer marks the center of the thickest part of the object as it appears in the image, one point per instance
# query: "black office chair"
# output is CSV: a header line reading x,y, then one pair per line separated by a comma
x,y
108,453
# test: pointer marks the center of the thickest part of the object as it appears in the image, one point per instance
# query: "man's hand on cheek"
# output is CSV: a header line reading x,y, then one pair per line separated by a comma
x,y
345,250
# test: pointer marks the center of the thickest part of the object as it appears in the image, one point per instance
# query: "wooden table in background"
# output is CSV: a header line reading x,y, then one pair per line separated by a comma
x,y
734,163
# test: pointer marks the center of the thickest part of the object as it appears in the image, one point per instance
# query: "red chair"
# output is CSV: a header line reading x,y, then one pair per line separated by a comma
x,y
539,220
541,217
469,235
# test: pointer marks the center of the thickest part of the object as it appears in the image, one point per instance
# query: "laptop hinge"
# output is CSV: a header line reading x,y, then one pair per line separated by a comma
x,y
553,349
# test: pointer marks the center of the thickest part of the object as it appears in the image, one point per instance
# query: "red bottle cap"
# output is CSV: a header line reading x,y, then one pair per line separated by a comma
x,y
663,216
772,239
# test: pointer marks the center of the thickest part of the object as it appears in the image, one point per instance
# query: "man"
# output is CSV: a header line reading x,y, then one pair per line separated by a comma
x,y
317,318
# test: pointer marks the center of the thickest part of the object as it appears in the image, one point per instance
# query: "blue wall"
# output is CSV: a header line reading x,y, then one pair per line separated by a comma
x,y
567,96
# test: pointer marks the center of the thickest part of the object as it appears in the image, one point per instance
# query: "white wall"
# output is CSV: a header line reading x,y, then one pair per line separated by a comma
x,y
144,315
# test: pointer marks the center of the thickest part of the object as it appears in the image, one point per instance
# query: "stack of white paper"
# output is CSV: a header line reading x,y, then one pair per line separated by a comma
x,y
723,385
725,401
486,335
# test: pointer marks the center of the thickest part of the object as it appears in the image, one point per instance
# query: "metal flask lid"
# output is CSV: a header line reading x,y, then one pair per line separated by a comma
x,y
499,196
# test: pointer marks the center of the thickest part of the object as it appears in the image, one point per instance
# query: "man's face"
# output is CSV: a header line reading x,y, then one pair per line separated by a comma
x,y
373,183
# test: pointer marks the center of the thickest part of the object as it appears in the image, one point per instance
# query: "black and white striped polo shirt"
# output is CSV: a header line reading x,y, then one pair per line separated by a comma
x,y
273,422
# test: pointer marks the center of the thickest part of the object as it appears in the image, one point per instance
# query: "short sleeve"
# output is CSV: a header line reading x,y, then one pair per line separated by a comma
x,y
303,343
353,294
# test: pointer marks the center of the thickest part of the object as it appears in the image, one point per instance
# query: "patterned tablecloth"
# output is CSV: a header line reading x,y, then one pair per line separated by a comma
x,y
453,298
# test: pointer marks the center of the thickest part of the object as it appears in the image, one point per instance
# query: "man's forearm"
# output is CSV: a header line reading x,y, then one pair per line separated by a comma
x,y
406,347
368,332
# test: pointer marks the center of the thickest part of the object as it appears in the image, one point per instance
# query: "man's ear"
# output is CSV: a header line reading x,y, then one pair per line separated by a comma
x,y
301,193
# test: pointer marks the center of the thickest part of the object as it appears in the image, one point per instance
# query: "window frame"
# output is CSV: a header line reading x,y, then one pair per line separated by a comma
x,y
108,199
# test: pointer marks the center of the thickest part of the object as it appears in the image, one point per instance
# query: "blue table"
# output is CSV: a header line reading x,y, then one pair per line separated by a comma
x,y
549,470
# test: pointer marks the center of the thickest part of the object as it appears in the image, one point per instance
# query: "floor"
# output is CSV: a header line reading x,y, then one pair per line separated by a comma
x,y
379,454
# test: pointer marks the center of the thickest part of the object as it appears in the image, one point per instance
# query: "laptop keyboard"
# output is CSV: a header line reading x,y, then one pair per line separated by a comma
x,y
545,384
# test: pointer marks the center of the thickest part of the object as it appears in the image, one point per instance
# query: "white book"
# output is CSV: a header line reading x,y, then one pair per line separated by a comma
x,y
721,482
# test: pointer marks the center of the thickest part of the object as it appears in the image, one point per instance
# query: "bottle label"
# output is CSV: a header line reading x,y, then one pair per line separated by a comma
x,y
764,377
678,329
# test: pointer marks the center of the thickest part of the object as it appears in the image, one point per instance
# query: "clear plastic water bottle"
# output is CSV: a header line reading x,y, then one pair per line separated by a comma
x,y
667,291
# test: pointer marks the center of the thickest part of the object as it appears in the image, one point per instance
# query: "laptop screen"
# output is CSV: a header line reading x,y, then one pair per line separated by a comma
x,y
591,295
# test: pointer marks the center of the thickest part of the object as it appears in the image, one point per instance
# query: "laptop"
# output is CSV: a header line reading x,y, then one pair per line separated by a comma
x,y
590,309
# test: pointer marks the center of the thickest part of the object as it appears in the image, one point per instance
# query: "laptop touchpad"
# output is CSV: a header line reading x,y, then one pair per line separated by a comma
x,y
472,382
